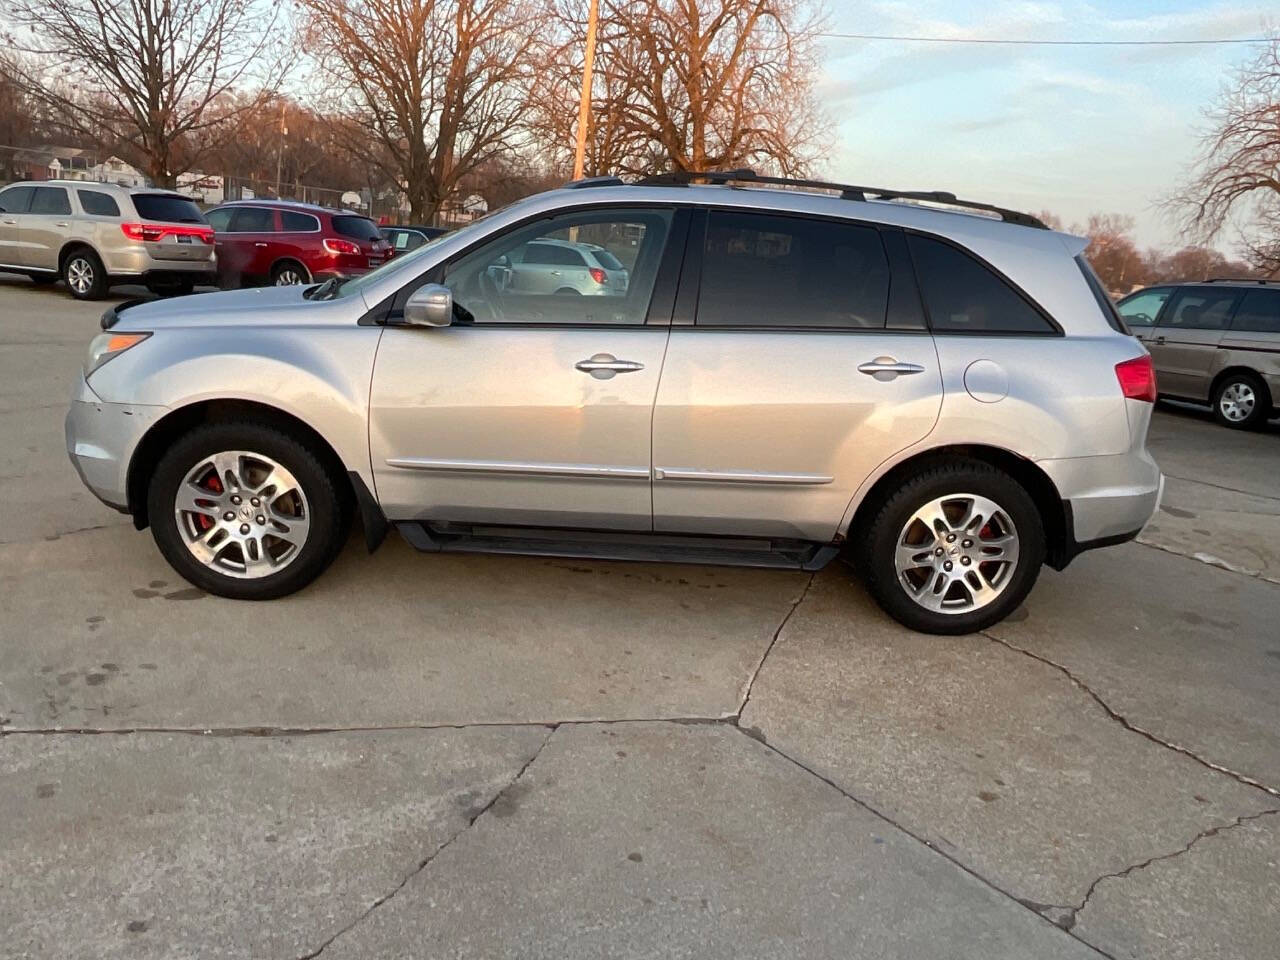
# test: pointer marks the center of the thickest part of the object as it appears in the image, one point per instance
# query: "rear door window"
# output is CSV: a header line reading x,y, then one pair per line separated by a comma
x,y
357,228
1259,312
964,295
1200,308
51,200
98,204
220,218
294,222
16,199
253,220
167,208
760,270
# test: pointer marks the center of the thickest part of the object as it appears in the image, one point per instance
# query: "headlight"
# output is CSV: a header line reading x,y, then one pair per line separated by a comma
x,y
107,345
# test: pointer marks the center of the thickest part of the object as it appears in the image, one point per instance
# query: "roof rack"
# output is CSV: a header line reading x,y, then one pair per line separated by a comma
x,y
594,182
847,191
1257,280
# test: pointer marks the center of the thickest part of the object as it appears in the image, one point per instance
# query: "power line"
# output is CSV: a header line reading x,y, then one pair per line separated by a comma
x,y
1048,43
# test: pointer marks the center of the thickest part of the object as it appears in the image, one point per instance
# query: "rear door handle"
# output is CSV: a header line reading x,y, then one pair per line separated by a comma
x,y
259,244
602,366
1159,339
62,223
886,368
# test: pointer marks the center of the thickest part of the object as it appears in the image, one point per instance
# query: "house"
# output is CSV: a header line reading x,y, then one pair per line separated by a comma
x,y
114,170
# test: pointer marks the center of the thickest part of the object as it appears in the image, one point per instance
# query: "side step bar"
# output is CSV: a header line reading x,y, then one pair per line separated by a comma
x,y
640,547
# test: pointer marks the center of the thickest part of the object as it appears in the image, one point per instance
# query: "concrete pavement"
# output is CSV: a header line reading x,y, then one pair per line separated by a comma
x,y
486,757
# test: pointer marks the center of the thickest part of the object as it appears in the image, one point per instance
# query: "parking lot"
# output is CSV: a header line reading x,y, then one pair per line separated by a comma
x,y
451,756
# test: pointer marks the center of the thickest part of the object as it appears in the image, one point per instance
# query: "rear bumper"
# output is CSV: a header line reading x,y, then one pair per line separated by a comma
x,y
101,438
135,261
1106,500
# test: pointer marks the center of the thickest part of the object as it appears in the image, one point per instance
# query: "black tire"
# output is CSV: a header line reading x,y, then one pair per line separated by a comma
x,y
1256,387
944,478
568,292
43,279
327,499
289,266
95,285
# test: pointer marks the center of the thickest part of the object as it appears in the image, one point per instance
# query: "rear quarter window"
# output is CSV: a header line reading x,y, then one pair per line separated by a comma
x,y
98,204
1259,312
166,208
964,295
357,228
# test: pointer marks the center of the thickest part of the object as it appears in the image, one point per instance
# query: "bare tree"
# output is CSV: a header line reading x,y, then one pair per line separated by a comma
x,y
1237,176
692,85
149,78
427,90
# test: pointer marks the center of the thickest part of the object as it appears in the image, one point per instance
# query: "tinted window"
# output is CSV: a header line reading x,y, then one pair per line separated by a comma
x,y
963,295
358,228
16,199
607,260
253,220
552,253
51,200
220,218
404,239
1141,309
761,270
1200,308
98,204
166,208
493,284
298,222
1259,312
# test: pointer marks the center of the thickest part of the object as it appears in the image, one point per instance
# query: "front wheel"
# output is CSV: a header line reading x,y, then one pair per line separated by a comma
x,y
246,511
955,549
1242,401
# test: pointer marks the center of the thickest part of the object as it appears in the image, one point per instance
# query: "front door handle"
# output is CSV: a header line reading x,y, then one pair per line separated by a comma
x,y
259,244
886,368
62,223
602,366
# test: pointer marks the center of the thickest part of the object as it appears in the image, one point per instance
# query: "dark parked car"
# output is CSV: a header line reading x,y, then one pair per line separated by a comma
x,y
406,237
283,243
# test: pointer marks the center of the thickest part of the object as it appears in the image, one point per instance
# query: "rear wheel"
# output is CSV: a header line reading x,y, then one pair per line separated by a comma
x,y
85,276
1241,400
289,273
246,511
954,549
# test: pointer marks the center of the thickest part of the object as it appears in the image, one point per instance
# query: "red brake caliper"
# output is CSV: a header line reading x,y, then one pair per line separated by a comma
x,y
213,485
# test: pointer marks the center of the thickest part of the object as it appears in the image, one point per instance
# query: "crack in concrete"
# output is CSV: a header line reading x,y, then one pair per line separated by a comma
x,y
66,533
1129,725
1070,920
1209,560
1206,483
422,865
269,731
751,680
759,738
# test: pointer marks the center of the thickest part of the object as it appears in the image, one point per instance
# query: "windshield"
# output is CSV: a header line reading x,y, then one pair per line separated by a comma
x,y
405,261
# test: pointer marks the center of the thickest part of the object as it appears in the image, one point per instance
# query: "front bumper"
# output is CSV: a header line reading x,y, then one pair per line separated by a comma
x,y
101,439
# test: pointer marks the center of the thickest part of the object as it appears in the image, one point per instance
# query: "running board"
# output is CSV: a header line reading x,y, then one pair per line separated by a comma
x,y
639,547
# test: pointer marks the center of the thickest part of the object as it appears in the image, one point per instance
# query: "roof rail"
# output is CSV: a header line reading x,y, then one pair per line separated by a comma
x,y
594,182
1257,280
847,191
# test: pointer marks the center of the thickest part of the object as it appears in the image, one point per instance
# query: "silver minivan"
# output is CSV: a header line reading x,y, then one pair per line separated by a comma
x,y
937,389
92,235
1216,342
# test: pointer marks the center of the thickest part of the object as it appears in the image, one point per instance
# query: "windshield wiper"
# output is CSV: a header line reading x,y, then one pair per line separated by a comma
x,y
325,291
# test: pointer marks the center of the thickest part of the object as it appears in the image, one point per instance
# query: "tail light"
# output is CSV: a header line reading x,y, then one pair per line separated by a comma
x,y
334,245
152,232
599,276
1137,378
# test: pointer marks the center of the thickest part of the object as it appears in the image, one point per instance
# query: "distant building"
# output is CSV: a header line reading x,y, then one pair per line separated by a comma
x,y
207,188
114,170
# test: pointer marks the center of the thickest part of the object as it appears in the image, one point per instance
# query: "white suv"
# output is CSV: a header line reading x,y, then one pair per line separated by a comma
x,y
92,235
941,391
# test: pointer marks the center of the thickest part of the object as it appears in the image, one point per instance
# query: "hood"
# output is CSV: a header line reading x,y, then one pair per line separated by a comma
x,y
256,304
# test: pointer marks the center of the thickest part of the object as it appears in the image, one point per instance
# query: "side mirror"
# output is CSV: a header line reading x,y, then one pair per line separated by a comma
x,y
431,305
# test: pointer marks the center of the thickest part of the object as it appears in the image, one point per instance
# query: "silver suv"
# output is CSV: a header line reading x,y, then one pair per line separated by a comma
x,y
548,265
92,235
938,389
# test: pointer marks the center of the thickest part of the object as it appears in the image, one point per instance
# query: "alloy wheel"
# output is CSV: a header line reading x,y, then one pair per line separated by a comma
x,y
1237,401
957,553
242,514
288,277
80,275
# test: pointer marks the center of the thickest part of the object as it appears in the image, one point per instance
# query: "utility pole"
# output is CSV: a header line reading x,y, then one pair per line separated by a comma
x,y
584,105
280,148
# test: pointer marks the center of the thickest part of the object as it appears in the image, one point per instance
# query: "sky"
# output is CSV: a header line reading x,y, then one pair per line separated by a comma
x,y
1072,130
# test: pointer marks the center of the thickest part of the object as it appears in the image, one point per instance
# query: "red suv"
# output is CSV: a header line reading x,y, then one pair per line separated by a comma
x,y
280,242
